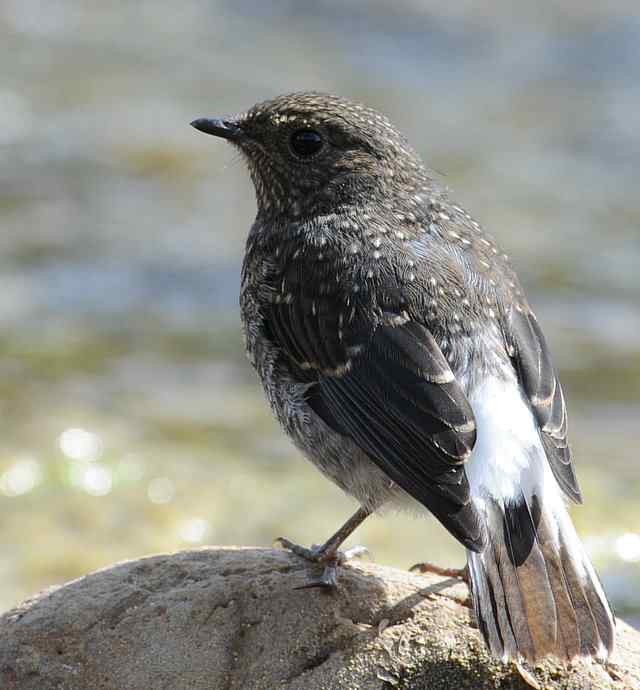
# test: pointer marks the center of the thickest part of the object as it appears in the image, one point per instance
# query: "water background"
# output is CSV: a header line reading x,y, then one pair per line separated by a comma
x,y
130,421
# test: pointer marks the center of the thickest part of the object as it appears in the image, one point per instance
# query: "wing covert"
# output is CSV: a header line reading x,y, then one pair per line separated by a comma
x,y
531,358
389,389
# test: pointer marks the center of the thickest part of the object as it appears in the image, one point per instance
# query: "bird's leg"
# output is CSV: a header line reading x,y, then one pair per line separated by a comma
x,y
460,573
328,554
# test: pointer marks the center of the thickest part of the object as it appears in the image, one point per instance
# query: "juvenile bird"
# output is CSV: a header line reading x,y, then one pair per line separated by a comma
x,y
397,349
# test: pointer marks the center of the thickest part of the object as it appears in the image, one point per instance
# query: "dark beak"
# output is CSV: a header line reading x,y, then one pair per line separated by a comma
x,y
218,127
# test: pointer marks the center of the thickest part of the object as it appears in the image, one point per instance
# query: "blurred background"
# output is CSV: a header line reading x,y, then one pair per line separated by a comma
x,y
130,421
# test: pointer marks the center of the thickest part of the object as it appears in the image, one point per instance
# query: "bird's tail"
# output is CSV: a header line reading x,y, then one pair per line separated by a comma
x,y
534,589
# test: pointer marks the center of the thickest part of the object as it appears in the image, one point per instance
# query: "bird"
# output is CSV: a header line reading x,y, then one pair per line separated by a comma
x,y
398,351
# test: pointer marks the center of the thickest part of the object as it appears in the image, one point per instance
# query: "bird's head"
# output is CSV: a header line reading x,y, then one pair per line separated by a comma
x,y
314,153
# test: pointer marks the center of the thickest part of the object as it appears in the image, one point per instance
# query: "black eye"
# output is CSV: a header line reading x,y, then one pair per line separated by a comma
x,y
306,142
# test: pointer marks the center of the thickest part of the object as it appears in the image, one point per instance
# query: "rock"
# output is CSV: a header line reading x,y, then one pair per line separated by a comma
x,y
231,619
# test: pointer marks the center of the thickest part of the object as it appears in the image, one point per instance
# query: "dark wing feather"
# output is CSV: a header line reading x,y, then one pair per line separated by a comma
x,y
531,358
391,390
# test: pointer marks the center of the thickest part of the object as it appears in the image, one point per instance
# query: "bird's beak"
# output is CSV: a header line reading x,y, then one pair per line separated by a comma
x,y
218,127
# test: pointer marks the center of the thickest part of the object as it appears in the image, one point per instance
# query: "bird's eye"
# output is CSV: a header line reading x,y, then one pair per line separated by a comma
x,y
306,142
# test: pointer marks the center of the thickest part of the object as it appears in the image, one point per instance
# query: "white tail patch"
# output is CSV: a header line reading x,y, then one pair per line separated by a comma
x,y
507,458
508,461
535,592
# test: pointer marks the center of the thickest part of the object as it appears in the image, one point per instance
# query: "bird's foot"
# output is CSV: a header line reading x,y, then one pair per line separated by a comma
x,y
459,573
326,555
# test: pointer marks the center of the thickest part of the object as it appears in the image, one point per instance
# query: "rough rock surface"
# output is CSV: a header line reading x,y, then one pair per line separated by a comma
x,y
231,619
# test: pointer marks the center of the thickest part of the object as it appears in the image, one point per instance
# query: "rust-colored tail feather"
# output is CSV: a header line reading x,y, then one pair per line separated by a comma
x,y
534,589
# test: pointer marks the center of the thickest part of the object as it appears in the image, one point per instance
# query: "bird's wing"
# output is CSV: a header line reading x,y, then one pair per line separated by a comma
x,y
531,358
390,389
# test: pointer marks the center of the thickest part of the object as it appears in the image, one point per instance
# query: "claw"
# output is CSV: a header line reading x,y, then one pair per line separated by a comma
x,y
327,554
358,551
328,580
330,558
459,573
314,554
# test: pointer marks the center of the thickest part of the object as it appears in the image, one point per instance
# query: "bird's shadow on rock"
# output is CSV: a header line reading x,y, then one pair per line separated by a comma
x,y
468,666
